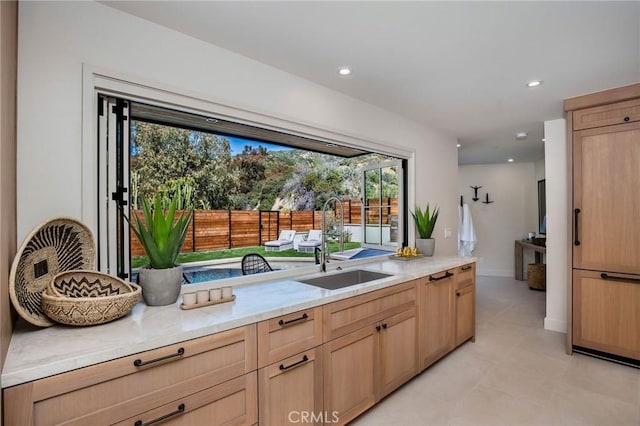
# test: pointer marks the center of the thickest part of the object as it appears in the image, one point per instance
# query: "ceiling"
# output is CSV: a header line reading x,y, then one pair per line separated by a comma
x,y
460,67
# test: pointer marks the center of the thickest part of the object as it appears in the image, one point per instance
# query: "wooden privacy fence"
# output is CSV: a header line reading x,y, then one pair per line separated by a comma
x,y
224,229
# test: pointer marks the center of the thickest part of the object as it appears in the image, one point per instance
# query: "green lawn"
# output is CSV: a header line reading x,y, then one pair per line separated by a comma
x,y
137,262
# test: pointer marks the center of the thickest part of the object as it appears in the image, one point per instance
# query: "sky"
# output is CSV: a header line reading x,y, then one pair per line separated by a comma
x,y
237,145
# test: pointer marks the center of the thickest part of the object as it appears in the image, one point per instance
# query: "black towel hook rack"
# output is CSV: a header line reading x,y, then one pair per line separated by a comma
x,y
475,192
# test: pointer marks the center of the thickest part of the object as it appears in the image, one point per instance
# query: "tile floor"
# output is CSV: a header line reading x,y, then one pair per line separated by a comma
x,y
516,373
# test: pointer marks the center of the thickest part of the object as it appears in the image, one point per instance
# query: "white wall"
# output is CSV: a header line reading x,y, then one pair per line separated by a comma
x,y
514,213
558,203
57,38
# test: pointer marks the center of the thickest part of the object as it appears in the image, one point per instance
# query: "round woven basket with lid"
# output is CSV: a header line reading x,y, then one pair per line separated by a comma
x,y
57,245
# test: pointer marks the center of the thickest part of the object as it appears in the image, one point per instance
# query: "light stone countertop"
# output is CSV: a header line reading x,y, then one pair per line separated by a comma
x,y
35,353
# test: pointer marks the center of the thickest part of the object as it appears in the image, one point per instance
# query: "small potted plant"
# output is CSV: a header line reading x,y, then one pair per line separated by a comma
x,y
425,222
161,236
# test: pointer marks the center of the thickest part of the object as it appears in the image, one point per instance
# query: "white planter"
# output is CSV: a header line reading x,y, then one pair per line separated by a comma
x,y
160,286
426,246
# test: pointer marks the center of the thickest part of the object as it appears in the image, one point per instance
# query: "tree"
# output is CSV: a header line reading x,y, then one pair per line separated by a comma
x,y
162,154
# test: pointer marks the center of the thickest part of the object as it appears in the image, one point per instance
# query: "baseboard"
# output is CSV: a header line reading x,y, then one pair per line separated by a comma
x,y
494,272
555,325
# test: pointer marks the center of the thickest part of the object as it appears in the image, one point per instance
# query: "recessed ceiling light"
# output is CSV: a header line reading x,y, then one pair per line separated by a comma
x,y
344,71
534,83
459,145
211,120
510,160
521,135
544,139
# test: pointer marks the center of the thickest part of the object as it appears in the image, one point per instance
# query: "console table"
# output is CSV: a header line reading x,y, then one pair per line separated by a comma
x,y
519,249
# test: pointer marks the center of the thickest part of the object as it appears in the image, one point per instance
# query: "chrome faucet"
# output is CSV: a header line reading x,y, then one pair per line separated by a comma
x,y
325,248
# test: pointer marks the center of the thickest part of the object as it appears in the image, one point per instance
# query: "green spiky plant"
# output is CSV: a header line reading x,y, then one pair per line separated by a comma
x,y
160,235
425,220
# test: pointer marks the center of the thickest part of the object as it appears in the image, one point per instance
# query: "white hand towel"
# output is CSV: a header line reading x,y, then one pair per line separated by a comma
x,y
468,235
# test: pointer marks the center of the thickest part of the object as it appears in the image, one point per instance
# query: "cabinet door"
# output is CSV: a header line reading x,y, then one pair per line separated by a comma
x,y
465,314
350,374
437,320
398,350
607,198
231,403
291,390
606,312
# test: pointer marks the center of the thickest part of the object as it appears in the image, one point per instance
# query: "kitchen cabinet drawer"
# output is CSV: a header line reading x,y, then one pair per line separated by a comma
x,y
291,389
607,115
606,312
288,335
348,315
465,275
112,391
230,403
465,302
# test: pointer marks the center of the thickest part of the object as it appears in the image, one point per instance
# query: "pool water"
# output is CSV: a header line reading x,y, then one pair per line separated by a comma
x,y
210,274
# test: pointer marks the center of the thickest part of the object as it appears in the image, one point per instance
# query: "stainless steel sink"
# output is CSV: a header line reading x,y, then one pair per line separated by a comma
x,y
345,279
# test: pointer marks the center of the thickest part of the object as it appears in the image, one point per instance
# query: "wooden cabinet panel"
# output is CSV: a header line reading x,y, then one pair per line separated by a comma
x,y
606,313
231,403
465,275
288,335
437,319
465,314
607,115
350,373
607,199
112,391
291,390
351,314
398,350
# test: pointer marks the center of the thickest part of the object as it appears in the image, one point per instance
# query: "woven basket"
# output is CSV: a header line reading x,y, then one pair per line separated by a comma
x,y
537,276
57,245
88,298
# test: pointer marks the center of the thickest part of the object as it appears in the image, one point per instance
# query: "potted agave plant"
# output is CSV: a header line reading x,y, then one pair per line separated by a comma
x,y
161,236
425,222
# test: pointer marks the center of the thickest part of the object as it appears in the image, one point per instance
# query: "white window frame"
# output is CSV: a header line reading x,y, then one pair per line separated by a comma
x,y
108,82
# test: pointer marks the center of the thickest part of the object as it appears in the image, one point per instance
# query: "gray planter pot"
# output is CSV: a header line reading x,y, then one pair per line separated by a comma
x,y
426,246
160,286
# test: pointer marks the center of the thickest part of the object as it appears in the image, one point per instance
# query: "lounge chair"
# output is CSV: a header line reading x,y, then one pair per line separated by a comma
x,y
284,242
313,240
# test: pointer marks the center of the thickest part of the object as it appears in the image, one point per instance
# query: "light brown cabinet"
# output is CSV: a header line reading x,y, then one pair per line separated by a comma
x,y
437,320
606,314
326,364
350,373
604,138
606,198
465,304
363,365
149,383
290,388
447,312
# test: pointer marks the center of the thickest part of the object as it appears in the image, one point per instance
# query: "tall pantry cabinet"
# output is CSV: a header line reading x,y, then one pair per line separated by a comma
x,y
604,139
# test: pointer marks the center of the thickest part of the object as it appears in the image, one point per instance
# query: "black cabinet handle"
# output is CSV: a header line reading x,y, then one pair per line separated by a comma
x,y
626,119
457,293
282,323
466,268
378,328
384,325
295,364
606,276
446,275
180,410
576,240
140,363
